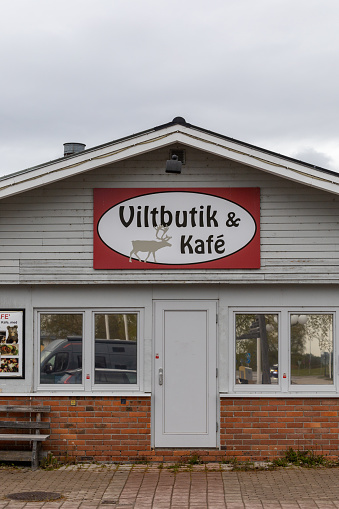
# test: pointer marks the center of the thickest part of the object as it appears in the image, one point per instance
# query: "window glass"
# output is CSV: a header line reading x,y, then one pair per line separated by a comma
x,y
60,348
256,349
116,348
311,349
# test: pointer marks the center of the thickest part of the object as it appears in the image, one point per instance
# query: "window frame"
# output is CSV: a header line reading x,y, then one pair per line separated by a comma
x,y
38,386
252,388
312,387
284,385
119,387
88,385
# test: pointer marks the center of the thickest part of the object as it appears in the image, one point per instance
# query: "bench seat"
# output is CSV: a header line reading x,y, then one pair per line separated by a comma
x,y
33,423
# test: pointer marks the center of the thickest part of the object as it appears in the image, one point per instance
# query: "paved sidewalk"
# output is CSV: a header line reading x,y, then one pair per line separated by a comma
x,y
144,487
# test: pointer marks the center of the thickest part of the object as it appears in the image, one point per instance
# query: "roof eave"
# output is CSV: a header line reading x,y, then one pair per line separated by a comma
x,y
166,135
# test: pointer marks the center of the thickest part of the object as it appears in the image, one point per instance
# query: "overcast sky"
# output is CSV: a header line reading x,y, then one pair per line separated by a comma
x,y
262,71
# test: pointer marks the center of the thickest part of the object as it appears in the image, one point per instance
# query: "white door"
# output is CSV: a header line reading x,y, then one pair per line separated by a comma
x,y
185,385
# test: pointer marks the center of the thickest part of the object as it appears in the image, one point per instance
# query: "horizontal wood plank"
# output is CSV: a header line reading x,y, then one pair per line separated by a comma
x,y
24,425
23,437
22,408
15,455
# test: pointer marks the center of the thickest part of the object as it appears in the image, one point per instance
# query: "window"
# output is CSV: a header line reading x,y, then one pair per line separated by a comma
x,y
60,347
283,350
256,358
311,349
115,348
105,352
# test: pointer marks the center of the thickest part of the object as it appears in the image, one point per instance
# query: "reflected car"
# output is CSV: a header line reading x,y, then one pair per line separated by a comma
x,y
274,371
63,356
102,376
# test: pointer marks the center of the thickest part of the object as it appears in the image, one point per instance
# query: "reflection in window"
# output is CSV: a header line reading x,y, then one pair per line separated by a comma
x,y
60,348
116,348
256,348
311,349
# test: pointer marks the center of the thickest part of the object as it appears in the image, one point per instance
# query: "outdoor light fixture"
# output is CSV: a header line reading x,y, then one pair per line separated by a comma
x,y
173,165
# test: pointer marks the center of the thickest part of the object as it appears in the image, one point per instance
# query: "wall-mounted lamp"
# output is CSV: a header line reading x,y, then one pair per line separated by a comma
x,y
173,165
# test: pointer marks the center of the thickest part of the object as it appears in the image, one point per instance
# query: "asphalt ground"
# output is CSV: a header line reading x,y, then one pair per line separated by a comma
x,y
148,486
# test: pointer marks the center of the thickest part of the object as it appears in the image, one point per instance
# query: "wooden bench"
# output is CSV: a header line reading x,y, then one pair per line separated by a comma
x,y
32,426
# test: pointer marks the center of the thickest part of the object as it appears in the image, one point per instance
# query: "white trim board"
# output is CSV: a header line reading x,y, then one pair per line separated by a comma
x,y
143,143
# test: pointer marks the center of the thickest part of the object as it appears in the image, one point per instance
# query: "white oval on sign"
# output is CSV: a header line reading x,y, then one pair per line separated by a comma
x,y
176,228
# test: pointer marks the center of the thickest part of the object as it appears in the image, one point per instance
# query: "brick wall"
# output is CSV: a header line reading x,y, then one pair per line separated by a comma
x,y
258,428
118,429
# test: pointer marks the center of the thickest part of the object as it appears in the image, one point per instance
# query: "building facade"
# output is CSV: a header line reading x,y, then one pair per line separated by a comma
x,y
164,312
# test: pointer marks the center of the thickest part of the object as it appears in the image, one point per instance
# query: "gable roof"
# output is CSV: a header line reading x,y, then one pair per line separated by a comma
x,y
176,131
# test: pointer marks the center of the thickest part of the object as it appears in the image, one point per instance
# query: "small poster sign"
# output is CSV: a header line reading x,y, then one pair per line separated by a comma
x,y
12,343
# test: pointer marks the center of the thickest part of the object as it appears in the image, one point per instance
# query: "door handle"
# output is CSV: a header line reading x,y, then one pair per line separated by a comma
x,y
161,376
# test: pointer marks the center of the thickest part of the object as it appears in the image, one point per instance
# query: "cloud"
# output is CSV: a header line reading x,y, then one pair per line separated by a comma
x,y
263,72
312,156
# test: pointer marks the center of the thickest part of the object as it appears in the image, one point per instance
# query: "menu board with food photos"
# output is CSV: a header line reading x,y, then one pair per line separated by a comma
x,y
11,344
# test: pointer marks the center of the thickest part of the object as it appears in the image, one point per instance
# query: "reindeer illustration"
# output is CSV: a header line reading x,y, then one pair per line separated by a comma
x,y
150,246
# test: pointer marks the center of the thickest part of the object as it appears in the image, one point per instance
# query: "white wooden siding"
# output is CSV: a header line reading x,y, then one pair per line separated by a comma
x,y
46,234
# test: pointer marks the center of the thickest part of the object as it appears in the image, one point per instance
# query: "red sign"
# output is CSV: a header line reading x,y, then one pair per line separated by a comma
x,y
205,228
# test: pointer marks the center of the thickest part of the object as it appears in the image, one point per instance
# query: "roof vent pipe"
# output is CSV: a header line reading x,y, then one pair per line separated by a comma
x,y
73,148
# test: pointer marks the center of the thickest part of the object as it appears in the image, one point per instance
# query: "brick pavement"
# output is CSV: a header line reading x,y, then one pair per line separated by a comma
x,y
198,487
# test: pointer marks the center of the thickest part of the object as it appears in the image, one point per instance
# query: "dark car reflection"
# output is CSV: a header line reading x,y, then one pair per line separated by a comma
x,y
102,376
